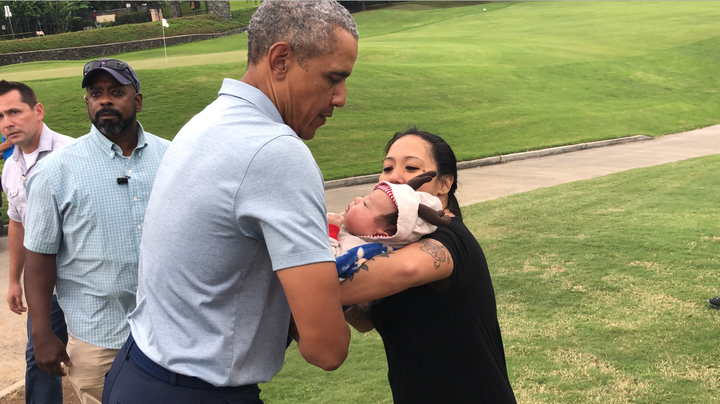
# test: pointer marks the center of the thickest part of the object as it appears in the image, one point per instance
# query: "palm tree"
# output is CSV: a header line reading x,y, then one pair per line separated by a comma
x,y
175,8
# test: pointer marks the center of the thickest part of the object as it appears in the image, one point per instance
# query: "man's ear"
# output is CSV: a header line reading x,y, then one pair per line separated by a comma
x,y
86,100
39,111
138,102
278,58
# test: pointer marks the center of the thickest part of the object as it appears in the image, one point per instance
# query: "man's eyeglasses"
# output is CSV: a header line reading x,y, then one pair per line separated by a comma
x,y
115,64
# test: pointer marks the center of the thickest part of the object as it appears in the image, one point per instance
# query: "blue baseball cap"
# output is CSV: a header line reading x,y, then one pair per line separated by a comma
x,y
121,71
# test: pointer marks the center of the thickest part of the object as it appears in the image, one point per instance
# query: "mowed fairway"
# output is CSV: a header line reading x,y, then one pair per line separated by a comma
x,y
600,284
515,77
601,289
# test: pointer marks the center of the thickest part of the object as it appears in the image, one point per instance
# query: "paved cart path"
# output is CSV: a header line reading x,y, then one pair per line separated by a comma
x,y
494,181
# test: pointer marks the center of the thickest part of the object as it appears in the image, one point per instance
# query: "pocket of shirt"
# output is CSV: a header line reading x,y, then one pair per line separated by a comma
x,y
16,200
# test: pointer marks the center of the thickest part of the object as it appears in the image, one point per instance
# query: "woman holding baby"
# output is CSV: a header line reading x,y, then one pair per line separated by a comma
x,y
437,314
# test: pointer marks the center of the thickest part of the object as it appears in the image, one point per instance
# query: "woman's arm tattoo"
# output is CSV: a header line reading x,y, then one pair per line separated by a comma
x,y
438,252
365,268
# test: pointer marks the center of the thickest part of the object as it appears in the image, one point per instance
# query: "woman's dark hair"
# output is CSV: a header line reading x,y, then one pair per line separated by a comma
x,y
444,159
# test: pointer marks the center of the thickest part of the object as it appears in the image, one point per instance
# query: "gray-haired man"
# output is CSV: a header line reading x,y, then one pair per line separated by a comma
x,y
232,246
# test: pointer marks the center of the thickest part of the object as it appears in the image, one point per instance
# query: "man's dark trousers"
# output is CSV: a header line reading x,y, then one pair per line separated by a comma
x,y
127,383
40,387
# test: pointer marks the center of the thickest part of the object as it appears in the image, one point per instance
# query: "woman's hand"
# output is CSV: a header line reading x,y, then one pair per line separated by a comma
x,y
358,316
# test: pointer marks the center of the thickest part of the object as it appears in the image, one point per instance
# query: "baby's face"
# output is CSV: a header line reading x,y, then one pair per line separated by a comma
x,y
361,214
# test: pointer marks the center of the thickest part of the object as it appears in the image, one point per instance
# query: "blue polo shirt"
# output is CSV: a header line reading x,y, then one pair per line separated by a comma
x,y
77,210
210,304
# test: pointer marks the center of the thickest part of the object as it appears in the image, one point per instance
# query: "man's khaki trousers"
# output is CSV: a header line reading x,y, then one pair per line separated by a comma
x,y
87,374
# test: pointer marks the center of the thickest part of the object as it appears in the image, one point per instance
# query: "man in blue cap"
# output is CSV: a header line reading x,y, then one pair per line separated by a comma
x,y
86,205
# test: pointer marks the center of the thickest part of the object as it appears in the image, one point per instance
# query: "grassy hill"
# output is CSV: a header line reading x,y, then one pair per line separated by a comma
x,y
491,78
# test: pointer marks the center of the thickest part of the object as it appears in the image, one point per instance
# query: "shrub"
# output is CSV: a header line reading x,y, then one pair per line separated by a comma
x,y
80,24
132,18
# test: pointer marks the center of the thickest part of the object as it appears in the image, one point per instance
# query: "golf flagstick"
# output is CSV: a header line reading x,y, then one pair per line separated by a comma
x,y
165,24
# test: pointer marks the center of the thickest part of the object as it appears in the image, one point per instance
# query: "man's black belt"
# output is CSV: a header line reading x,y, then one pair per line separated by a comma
x,y
159,372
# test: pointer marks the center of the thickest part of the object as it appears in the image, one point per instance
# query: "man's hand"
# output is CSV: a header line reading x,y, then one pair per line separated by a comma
x,y
40,276
293,331
16,233
15,299
49,352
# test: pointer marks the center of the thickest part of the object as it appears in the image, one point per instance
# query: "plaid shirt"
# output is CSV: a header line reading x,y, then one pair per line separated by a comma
x,y
78,210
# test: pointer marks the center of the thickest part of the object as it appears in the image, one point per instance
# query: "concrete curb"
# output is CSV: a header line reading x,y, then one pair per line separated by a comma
x,y
12,389
369,179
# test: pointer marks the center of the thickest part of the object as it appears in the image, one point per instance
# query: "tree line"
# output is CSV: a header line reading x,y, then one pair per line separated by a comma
x,y
57,17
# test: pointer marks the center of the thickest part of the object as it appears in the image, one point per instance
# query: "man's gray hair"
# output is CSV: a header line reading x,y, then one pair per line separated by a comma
x,y
307,26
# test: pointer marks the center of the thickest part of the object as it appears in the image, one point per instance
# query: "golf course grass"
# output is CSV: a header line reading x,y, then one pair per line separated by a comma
x,y
491,78
600,285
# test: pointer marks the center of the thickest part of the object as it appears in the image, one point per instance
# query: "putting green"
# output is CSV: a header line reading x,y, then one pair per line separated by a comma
x,y
75,70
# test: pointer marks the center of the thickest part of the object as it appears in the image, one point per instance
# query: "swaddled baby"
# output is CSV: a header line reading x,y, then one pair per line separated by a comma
x,y
392,214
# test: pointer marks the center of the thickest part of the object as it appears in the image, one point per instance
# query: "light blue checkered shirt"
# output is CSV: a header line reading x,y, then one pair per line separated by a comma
x,y
77,210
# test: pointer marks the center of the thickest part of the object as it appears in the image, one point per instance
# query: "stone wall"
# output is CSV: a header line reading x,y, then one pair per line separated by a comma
x,y
86,52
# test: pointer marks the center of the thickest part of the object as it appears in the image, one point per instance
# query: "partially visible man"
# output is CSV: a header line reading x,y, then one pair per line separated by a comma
x,y
86,204
234,244
21,121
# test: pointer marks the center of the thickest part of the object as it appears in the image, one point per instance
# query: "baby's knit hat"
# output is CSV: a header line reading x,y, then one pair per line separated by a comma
x,y
419,213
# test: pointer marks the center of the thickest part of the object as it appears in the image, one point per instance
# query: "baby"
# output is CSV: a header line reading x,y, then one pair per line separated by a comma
x,y
392,214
